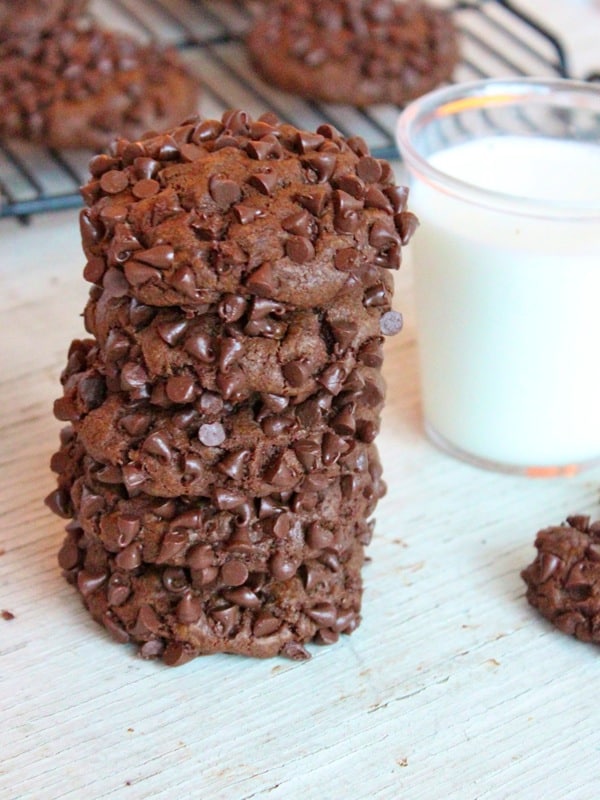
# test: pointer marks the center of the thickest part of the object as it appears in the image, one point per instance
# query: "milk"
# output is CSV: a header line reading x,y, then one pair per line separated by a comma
x,y
508,305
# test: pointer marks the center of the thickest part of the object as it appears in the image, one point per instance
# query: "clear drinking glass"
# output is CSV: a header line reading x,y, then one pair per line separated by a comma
x,y
505,178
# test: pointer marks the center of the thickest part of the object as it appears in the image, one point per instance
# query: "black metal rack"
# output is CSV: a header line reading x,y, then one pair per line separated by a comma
x,y
497,40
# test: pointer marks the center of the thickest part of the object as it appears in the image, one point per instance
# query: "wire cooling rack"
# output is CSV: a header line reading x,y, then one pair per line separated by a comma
x,y
497,40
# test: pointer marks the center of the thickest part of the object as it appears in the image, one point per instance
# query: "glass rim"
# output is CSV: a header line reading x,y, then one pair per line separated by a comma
x,y
493,92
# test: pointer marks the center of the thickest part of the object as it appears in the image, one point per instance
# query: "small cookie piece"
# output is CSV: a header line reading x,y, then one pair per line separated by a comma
x,y
34,17
77,87
563,582
357,52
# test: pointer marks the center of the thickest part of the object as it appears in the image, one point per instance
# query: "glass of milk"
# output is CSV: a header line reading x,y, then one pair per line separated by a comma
x,y
505,179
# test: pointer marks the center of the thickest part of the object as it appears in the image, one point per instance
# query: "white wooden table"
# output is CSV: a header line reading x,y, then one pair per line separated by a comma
x,y
451,688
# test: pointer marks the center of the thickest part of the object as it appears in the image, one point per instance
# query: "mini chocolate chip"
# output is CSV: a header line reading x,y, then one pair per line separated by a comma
x,y
223,190
146,187
326,636
189,609
200,346
299,249
295,651
352,185
137,273
391,323
134,478
332,378
68,555
301,223
322,165
115,629
115,283
204,576
371,354
281,567
332,448
234,573
232,384
161,256
366,431
232,307
229,350
200,556
344,423
278,472
209,403
297,372
181,388
264,180
184,281
157,443
153,648
177,653
130,557
145,167
136,424
314,199
307,452
369,169
348,259
324,614
128,526
375,198
228,499
89,582
212,434
226,618
406,223
190,152
265,624
173,546
263,281
118,589
114,181
242,596
318,537
133,376
263,306
59,503
343,332
172,331
375,296
147,622
175,580
245,213
233,464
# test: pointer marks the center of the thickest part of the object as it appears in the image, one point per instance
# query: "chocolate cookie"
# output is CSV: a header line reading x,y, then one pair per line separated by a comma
x,y
563,582
219,467
357,52
81,86
34,17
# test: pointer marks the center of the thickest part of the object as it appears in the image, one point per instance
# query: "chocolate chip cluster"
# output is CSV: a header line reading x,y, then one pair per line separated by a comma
x,y
563,582
219,467
65,82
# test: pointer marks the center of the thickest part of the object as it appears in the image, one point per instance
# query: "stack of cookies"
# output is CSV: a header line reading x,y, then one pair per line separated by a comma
x,y
219,468
66,82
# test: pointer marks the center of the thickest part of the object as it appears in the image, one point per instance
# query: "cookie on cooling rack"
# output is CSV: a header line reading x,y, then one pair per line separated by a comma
x,y
357,52
80,86
34,17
